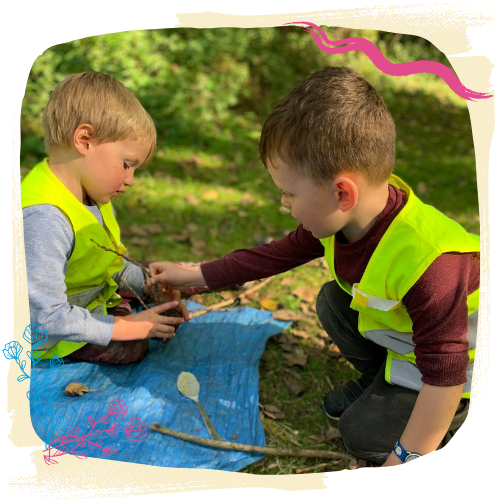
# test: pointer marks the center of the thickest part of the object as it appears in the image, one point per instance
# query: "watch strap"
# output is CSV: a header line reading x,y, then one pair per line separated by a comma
x,y
402,453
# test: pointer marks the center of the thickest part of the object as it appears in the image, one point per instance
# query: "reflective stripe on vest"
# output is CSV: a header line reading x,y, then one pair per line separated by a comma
x,y
416,237
88,278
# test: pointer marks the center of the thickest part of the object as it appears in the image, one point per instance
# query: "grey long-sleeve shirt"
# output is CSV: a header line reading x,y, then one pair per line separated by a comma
x,y
49,242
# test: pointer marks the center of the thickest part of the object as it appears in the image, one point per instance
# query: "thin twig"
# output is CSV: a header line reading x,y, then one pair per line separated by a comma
x,y
319,466
130,259
134,292
229,302
281,452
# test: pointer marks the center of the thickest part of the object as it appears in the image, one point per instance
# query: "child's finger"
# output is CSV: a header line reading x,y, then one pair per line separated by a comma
x,y
171,320
164,329
184,311
165,307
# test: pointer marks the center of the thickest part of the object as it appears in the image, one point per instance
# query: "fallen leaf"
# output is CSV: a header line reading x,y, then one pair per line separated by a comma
x,y
285,346
332,433
226,295
139,241
268,304
304,293
283,338
295,386
306,309
333,351
287,315
251,295
153,228
136,230
180,238
192,200
299,357
76,389
301,334
287,281
314,352
272,411
353,464
318,343
244,301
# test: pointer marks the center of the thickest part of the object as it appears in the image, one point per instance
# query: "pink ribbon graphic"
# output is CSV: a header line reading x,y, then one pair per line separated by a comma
x,y
389,68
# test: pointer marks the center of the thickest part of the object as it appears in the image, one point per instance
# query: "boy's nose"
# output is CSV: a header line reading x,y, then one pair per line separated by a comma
x,y
129,179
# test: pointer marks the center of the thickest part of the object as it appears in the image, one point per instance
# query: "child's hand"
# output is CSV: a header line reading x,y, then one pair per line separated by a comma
x,y
147,324
176,275
168,296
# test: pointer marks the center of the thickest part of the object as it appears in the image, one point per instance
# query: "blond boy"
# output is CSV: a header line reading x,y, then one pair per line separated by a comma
x,y
96,134
402,307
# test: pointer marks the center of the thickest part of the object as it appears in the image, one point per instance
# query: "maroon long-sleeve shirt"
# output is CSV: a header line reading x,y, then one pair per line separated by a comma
x,y
436,304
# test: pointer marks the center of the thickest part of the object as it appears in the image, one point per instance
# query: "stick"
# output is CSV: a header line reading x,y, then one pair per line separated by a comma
x,y
320,466
134,292
130,259
278,452
229,302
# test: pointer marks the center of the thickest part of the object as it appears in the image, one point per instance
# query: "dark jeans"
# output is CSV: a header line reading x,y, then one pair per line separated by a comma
x,y
376,420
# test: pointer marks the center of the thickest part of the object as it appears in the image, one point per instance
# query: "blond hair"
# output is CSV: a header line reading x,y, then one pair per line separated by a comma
x,y
331,123
101,101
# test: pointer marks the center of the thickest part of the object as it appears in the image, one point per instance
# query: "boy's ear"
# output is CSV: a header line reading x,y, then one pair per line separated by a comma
x,y
346,193
82,137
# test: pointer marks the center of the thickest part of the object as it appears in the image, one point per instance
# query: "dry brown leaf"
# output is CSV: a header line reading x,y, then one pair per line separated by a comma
x,y
333,351
139,241
153,228
301,334
332,433
287,315
314,352
299,357
306,309
287,281
251,295
226,295
136,230
244,301
318,343
180,238
76,389
272,411
197,298
305,293
268,304
284,338
192,200
285,346
294,385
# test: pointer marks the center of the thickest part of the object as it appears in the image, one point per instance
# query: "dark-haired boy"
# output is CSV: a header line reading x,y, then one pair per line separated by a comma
x,y
403,304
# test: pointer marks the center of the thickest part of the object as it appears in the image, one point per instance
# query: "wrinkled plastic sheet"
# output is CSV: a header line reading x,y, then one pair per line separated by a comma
x,y
221,348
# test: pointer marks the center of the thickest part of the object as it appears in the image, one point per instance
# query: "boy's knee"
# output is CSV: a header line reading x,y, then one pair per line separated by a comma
x,y
361,439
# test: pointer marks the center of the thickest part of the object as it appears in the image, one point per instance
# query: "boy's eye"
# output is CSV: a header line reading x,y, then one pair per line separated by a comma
x,y
125,165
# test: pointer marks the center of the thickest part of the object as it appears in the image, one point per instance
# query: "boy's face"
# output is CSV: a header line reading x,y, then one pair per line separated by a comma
x,y
313,205
108,169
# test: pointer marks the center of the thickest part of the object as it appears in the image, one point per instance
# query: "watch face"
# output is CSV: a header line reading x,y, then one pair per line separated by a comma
x,y
411,457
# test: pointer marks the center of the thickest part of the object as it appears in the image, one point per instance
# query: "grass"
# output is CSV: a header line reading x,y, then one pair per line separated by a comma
x,y
202,198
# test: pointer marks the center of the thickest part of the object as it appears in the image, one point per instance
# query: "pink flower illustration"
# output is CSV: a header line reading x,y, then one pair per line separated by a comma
x,y
118,408
136,429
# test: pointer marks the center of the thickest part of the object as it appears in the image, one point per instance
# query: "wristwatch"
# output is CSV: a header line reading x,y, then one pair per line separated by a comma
x,y
404,455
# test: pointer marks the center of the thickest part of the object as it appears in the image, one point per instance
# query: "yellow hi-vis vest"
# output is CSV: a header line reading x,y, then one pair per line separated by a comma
x,y
416,237
89,282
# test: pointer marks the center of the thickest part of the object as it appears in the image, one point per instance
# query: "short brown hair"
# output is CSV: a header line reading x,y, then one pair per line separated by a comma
x,y
101,101
332,122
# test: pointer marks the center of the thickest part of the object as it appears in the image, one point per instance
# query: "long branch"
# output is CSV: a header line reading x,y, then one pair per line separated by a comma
x,y
280,452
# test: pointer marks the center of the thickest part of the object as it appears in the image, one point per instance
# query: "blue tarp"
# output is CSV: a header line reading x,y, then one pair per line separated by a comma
x,y
222,349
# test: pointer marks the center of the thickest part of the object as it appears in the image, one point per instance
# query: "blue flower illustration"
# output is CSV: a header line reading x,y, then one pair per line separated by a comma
x,y
35,335
12,350
39,396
